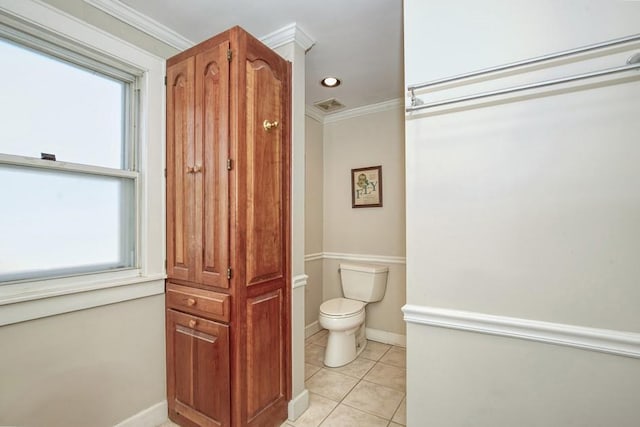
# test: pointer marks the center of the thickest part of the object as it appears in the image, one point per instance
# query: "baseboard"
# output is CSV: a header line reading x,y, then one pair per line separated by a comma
x,y
151,417
311,329
298,405
386,337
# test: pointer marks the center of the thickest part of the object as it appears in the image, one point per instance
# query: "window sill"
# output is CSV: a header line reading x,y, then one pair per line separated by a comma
x,y
20,302
23,301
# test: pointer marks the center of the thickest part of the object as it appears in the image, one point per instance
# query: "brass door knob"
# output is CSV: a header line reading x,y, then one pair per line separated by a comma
x,y
191,301
267,125
192,323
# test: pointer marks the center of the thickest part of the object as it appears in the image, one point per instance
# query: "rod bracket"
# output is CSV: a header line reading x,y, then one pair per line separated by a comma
x,y
634,59
415,101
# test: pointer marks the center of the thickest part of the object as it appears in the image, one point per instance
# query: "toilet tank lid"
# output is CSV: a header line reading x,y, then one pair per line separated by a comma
x,y
367,268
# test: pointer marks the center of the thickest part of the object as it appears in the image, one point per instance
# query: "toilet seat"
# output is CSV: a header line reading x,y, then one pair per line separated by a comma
x,y
341,308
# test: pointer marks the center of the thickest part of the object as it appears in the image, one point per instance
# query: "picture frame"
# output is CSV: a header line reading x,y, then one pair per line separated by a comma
x,y
366,187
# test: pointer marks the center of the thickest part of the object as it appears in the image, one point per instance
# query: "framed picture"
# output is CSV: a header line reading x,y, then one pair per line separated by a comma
x,y
366,187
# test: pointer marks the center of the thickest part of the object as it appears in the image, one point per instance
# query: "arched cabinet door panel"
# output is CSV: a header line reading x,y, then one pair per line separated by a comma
x,y
180,181
211,174
197,175
264,194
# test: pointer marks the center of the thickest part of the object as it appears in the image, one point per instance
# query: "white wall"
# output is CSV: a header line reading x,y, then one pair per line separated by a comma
x,y
96,17
101,365
91,367
367,140
336,232
295,53
313,218
470,379
522,207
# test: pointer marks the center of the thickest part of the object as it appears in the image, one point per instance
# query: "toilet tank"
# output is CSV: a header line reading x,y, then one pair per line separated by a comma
x,y
363,282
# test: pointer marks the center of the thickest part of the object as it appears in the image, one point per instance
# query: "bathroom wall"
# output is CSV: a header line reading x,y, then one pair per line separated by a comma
x,y
313,218
90,367
521,210
376,234
96,17
97,366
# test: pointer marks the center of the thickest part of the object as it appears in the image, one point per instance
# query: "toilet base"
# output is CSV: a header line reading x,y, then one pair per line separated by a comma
x,y
344,346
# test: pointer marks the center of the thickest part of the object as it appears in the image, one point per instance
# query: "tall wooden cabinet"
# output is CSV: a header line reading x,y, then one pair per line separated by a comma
x,y
228,234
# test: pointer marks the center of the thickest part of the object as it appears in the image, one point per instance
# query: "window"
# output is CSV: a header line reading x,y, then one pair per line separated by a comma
x,y
76,214
126,178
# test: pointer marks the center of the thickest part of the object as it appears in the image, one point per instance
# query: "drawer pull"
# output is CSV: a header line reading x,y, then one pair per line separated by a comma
x,y
191,302
192,323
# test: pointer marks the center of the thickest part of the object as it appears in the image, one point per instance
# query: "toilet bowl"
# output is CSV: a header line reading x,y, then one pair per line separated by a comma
x,y
344,318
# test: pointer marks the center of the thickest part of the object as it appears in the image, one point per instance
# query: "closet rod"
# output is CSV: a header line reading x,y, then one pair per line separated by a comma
x,y
633,66
530,61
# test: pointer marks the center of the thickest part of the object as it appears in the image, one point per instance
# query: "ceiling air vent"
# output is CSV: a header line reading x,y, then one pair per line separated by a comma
x,y
329,105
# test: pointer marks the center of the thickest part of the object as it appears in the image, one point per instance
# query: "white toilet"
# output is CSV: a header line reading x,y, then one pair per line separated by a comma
x,y
344,317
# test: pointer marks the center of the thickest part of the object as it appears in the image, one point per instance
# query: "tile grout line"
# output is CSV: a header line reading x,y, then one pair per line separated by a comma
x,y
360,379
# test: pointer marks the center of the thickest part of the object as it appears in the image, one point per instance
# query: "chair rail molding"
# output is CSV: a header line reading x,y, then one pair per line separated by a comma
x,y
619,343
385,259
299,280
313,257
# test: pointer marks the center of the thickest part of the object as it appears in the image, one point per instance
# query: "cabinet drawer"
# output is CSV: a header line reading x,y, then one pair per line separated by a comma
x,y
208,304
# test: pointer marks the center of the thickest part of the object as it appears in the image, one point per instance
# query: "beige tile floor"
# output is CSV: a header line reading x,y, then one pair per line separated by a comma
x,y
368,392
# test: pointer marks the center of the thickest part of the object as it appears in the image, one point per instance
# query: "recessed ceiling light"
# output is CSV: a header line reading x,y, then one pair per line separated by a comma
x,y
330,82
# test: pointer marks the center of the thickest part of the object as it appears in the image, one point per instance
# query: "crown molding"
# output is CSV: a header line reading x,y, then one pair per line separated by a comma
x,y
128,15
314,113
365,110
287,34
620,343
142,22
323,118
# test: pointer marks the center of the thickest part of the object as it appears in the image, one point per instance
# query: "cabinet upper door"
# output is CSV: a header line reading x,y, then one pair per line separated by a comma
x,y
266,150
211,155
180,175
197,175
263,231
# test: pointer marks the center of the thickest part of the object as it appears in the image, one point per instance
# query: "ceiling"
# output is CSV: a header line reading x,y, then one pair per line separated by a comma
x,y
358,41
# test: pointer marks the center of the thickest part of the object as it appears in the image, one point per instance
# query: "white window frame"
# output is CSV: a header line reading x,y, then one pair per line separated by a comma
x,y
28,300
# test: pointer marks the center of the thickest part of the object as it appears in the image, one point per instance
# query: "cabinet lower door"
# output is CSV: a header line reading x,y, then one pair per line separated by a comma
x,y
197,370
